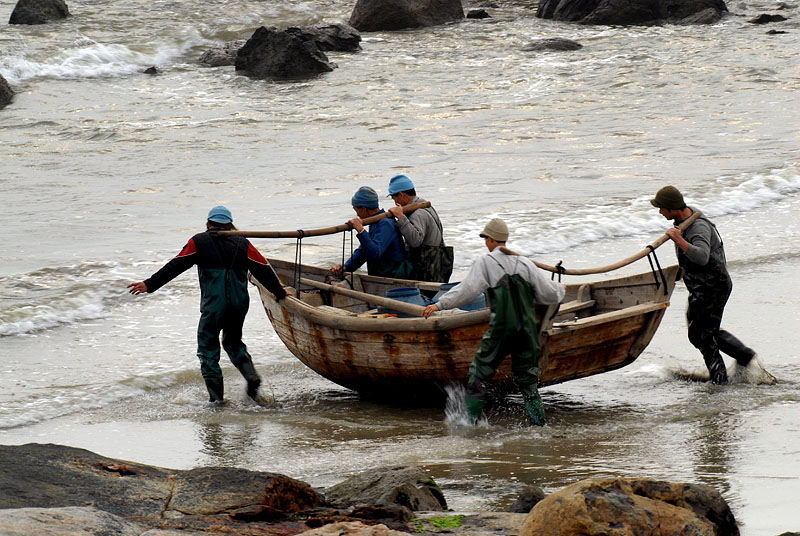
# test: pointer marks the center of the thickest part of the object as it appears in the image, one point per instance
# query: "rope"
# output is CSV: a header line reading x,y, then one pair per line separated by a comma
x,y
298,259
660,271
344,243
560,270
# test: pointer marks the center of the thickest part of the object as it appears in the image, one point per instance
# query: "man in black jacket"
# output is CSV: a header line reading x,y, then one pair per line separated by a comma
x,y
222,266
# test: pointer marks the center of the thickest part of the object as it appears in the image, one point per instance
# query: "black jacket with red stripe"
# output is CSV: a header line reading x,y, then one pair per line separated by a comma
x,y
222,266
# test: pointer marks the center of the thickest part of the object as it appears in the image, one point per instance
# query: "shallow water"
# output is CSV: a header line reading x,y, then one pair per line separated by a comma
x,y
106,172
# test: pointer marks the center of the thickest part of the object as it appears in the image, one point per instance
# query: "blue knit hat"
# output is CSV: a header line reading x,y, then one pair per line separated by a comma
x,y
220,214
365,197
399,183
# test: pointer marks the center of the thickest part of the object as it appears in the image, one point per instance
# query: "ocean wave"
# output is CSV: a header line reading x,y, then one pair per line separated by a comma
x,y
88,59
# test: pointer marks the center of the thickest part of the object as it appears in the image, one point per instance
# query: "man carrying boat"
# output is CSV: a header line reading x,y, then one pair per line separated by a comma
x,y
222,266
701,255
430,259
381,246
513,283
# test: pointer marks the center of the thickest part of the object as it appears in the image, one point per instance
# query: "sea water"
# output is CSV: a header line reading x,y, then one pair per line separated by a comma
x,y
106,172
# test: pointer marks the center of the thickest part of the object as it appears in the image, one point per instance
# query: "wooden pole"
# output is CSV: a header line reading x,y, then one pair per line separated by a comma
x,y
319,232
395,305
624,262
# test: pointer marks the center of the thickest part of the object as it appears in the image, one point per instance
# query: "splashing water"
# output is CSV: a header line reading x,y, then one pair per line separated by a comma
x,y
455,410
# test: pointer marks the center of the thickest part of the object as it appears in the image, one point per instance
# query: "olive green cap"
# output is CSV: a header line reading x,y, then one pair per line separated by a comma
x,y
496,229
669,198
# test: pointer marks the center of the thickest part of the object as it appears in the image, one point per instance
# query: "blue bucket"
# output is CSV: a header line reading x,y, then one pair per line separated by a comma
x,y
404,294
474,305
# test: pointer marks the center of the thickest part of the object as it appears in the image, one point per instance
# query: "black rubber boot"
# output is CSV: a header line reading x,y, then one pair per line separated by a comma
x,y
253,380
216,389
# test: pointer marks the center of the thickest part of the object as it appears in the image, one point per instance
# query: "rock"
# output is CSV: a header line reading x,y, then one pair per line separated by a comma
x,y
478,14
152,70
765,18
64,521
630,506
554,43
6,93
352,528
707,16
393,516
338,37
224,54
38,11
272,53
407,486
378,15
776,32
626,12
36,475
527,500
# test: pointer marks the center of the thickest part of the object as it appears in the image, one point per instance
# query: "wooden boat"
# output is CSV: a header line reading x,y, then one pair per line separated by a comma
x,y
600,326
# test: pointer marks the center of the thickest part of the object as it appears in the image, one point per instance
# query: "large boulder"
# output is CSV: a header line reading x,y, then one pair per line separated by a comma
x,y
337,37
6,93
631,506
273,53
630,12
38,11
379,15
407,486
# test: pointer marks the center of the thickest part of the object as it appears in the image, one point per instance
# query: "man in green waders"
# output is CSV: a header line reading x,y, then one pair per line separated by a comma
x,y
513,284
222,266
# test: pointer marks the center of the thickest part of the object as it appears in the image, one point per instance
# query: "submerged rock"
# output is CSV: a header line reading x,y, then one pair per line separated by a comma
x,y
478,14
38,11
766,18
628,12
527,500
378,15
224,54
633,506
554,43
407,486
6,93
273,53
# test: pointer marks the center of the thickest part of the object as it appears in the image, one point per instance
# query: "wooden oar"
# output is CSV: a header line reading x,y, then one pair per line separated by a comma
x,y
395,305
624,262
319,232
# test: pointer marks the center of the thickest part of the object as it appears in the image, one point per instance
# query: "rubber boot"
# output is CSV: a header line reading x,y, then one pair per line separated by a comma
x,y
735,348
216,389
716,368
253,380
535,410
475,400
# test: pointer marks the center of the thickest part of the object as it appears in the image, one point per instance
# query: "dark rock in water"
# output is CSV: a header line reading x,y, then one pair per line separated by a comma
x,y
38,11
273,53
407,486
641,506
379,15
330,37
765,18
527,500
554,43
776,32
152,70
707,16
626,12
6,93
224,54
478,14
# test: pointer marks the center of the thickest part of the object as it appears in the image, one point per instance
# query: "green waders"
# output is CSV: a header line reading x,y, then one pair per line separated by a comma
x,y
224,304
512,331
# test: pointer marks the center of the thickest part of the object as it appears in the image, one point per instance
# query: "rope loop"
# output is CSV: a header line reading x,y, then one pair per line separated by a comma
x,y
298,259
653,269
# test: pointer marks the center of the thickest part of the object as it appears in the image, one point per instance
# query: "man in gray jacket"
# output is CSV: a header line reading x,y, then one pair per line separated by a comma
x,y
514,284
422,231
702,257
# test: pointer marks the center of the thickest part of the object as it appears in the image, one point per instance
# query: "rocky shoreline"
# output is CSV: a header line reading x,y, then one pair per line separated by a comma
x,y
50,489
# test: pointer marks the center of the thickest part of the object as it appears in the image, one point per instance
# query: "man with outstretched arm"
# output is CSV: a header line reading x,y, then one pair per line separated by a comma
x,y
705,273
513,284
222,266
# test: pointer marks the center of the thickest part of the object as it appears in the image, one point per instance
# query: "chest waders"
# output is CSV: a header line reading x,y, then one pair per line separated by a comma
x,y
709,287
512,330
223,305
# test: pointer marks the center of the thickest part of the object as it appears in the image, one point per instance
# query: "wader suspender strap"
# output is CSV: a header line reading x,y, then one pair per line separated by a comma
x,y
438,224
660,271
298,258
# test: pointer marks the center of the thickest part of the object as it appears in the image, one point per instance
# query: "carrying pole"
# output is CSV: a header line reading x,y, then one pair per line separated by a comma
x,y
624,262
395,305
319,232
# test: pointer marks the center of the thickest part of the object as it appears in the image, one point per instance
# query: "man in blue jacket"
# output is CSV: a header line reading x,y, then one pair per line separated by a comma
x,y
381,246
222,266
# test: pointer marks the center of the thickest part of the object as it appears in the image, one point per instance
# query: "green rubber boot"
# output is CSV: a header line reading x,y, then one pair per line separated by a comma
x,y
474,409
215,389
535,410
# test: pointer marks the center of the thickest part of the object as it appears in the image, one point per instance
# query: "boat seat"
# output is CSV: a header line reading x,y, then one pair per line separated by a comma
x,y
575,306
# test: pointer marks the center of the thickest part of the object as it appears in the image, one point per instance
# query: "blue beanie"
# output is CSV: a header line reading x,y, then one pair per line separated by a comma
x,y
365,197
400,183
220,214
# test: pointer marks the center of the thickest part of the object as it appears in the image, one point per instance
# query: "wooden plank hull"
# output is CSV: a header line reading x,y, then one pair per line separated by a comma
x,y
418,357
